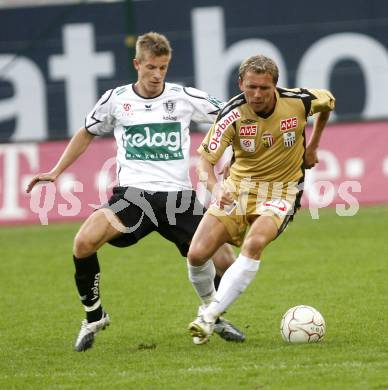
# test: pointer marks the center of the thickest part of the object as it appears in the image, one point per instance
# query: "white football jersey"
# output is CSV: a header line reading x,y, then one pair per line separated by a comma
x,y
152,134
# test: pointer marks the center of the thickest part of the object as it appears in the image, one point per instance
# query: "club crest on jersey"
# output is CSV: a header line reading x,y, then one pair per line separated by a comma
x,y
267,140
288,124
248,130
169,107
248,145
289,139
221,126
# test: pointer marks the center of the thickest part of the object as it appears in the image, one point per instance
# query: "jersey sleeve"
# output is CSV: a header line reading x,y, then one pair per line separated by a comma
x,y
205,106
322,101
220,136
100,120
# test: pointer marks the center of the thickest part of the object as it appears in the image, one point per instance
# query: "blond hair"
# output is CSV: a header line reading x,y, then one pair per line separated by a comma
x,y
259,64
154,43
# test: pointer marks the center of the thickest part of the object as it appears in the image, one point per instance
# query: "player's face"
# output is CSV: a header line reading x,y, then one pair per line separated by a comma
x,y
151,72
259,91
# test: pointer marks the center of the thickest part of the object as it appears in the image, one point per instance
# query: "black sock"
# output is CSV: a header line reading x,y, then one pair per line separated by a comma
x,y
217,280
87,279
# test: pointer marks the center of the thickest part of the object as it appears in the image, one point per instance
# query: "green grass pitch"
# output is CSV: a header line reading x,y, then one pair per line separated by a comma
x,y
336,264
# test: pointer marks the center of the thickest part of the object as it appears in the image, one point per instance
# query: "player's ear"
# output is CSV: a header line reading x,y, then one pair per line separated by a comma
x,y
136,63
240,83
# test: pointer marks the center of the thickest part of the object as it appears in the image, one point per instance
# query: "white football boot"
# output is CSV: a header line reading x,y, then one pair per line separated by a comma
x,y
225,329
88,332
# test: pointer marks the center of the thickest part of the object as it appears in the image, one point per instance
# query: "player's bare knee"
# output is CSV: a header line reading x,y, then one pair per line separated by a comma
x,y
196,256
83,246
254,245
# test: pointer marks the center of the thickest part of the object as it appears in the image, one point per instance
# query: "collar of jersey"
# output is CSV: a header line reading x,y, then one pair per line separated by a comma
x,y
148,98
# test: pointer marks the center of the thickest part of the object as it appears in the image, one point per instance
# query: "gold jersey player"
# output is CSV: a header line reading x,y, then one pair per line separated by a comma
x,y
265,127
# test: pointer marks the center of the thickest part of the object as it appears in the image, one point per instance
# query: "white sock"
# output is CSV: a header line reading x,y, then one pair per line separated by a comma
x,y
202,279
234,281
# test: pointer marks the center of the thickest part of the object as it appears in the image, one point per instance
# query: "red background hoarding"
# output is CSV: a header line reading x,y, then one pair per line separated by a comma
x,y
353,168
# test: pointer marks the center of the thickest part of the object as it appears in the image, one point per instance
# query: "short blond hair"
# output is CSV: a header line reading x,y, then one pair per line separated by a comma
x,y
259,64
154,43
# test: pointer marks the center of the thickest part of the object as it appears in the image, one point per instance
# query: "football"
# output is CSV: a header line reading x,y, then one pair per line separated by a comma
x,y
302,324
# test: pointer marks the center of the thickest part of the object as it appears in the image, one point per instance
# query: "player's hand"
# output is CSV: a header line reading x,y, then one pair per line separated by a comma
x,y
224,197
40,178
225,171
310,157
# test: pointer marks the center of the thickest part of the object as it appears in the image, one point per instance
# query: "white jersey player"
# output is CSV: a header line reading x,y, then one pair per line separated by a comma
x,y
150,120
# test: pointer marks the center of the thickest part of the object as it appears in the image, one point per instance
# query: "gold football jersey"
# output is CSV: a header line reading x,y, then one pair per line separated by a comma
x,y
266,149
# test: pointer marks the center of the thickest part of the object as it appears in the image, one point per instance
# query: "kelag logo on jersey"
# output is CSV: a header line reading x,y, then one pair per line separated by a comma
x,y
153,141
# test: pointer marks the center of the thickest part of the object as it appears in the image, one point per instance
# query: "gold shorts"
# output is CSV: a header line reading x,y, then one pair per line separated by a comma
x,y
247,206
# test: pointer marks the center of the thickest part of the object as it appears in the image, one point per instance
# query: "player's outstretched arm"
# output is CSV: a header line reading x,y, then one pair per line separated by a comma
x,y
77,145
207,176
311,157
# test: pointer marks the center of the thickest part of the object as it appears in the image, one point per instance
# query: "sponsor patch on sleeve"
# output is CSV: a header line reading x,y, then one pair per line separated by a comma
x,y
205,147
220,127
